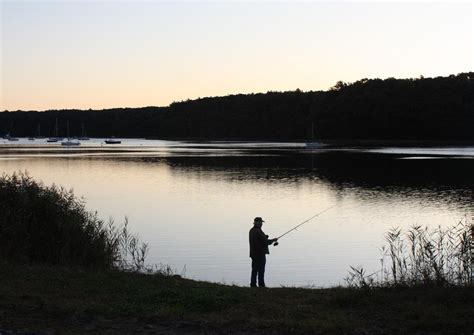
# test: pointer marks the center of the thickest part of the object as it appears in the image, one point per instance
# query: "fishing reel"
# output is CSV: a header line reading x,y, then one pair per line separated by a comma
x,y
275,244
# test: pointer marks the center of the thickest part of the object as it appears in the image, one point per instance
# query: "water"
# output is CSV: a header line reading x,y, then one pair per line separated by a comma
x,y
193,203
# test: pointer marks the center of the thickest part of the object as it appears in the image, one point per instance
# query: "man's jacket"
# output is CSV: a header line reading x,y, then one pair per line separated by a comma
x,y
258,242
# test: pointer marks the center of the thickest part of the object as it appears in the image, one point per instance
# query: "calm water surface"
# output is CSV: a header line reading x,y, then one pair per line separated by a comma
x,y
195,202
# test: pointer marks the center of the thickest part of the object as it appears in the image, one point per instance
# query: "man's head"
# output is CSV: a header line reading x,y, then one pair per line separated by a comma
x,y
258,222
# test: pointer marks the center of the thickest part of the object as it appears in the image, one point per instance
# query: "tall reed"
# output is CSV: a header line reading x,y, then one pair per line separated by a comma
x,y
423,256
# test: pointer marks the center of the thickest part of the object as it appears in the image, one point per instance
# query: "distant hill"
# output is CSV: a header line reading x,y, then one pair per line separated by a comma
x,y
440,108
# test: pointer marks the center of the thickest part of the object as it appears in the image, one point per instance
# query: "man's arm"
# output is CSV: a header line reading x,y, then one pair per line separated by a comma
x,y
271,241
265,240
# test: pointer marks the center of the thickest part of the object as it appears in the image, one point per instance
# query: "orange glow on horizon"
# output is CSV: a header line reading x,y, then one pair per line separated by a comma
x,y
106,55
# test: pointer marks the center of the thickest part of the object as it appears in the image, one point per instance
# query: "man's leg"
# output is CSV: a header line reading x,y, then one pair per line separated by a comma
x,y
253,276
261,271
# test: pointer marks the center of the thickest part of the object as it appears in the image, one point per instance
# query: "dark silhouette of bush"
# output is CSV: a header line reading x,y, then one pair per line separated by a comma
x,y
40,224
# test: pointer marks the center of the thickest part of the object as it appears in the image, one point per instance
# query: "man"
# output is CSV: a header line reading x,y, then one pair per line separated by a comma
x,y
259,243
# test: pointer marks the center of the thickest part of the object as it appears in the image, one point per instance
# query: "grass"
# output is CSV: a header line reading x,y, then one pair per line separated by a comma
x,y
73,300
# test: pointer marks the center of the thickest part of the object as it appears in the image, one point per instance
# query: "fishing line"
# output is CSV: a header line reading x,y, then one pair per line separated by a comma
x,y
307,220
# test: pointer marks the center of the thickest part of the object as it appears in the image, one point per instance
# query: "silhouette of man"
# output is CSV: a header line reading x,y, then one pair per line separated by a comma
x,y
259,243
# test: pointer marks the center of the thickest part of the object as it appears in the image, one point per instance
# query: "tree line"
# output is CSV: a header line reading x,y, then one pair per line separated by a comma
x,y
440,108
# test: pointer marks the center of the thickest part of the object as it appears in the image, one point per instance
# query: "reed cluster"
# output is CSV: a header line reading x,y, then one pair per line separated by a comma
x,y
50,225
423,256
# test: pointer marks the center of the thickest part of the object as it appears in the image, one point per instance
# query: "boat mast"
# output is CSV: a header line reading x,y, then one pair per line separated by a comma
x,y
56,128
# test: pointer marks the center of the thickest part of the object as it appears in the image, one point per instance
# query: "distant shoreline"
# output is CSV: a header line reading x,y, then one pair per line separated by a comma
x,y
411,111
327,144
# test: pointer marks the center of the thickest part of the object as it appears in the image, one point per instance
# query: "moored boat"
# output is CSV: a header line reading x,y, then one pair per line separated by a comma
x,y
55,138
70,143
112,141
83,137
10,138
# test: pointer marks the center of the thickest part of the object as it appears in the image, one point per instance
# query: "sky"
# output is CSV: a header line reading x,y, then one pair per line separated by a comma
x,y
91,54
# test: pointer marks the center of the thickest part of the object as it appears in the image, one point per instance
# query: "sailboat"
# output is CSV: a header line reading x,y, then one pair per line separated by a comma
x,y
32,138
10,138
70,142
313,144
38,132
55,138
83,137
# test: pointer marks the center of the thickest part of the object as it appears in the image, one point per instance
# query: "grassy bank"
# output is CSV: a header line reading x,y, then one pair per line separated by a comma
x,y
65,300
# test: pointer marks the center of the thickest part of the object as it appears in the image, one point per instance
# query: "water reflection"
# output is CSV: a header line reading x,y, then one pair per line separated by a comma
x,y
363,175
195,204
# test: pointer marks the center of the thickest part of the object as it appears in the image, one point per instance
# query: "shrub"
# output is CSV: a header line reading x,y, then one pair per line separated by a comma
x,y
49,224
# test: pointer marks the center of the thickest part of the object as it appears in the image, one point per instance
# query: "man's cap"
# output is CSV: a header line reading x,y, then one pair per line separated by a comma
x,y
258,219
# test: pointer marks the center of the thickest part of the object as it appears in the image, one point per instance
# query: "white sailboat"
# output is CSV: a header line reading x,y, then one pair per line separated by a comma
x,y
8,137
83,137
12,139
32,138
55,138
38,132
70,142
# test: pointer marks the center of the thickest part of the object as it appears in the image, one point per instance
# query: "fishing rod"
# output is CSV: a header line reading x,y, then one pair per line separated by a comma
x,y
302,223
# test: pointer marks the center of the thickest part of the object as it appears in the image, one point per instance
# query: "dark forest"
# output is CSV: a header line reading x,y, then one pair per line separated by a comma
x,y
421,109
